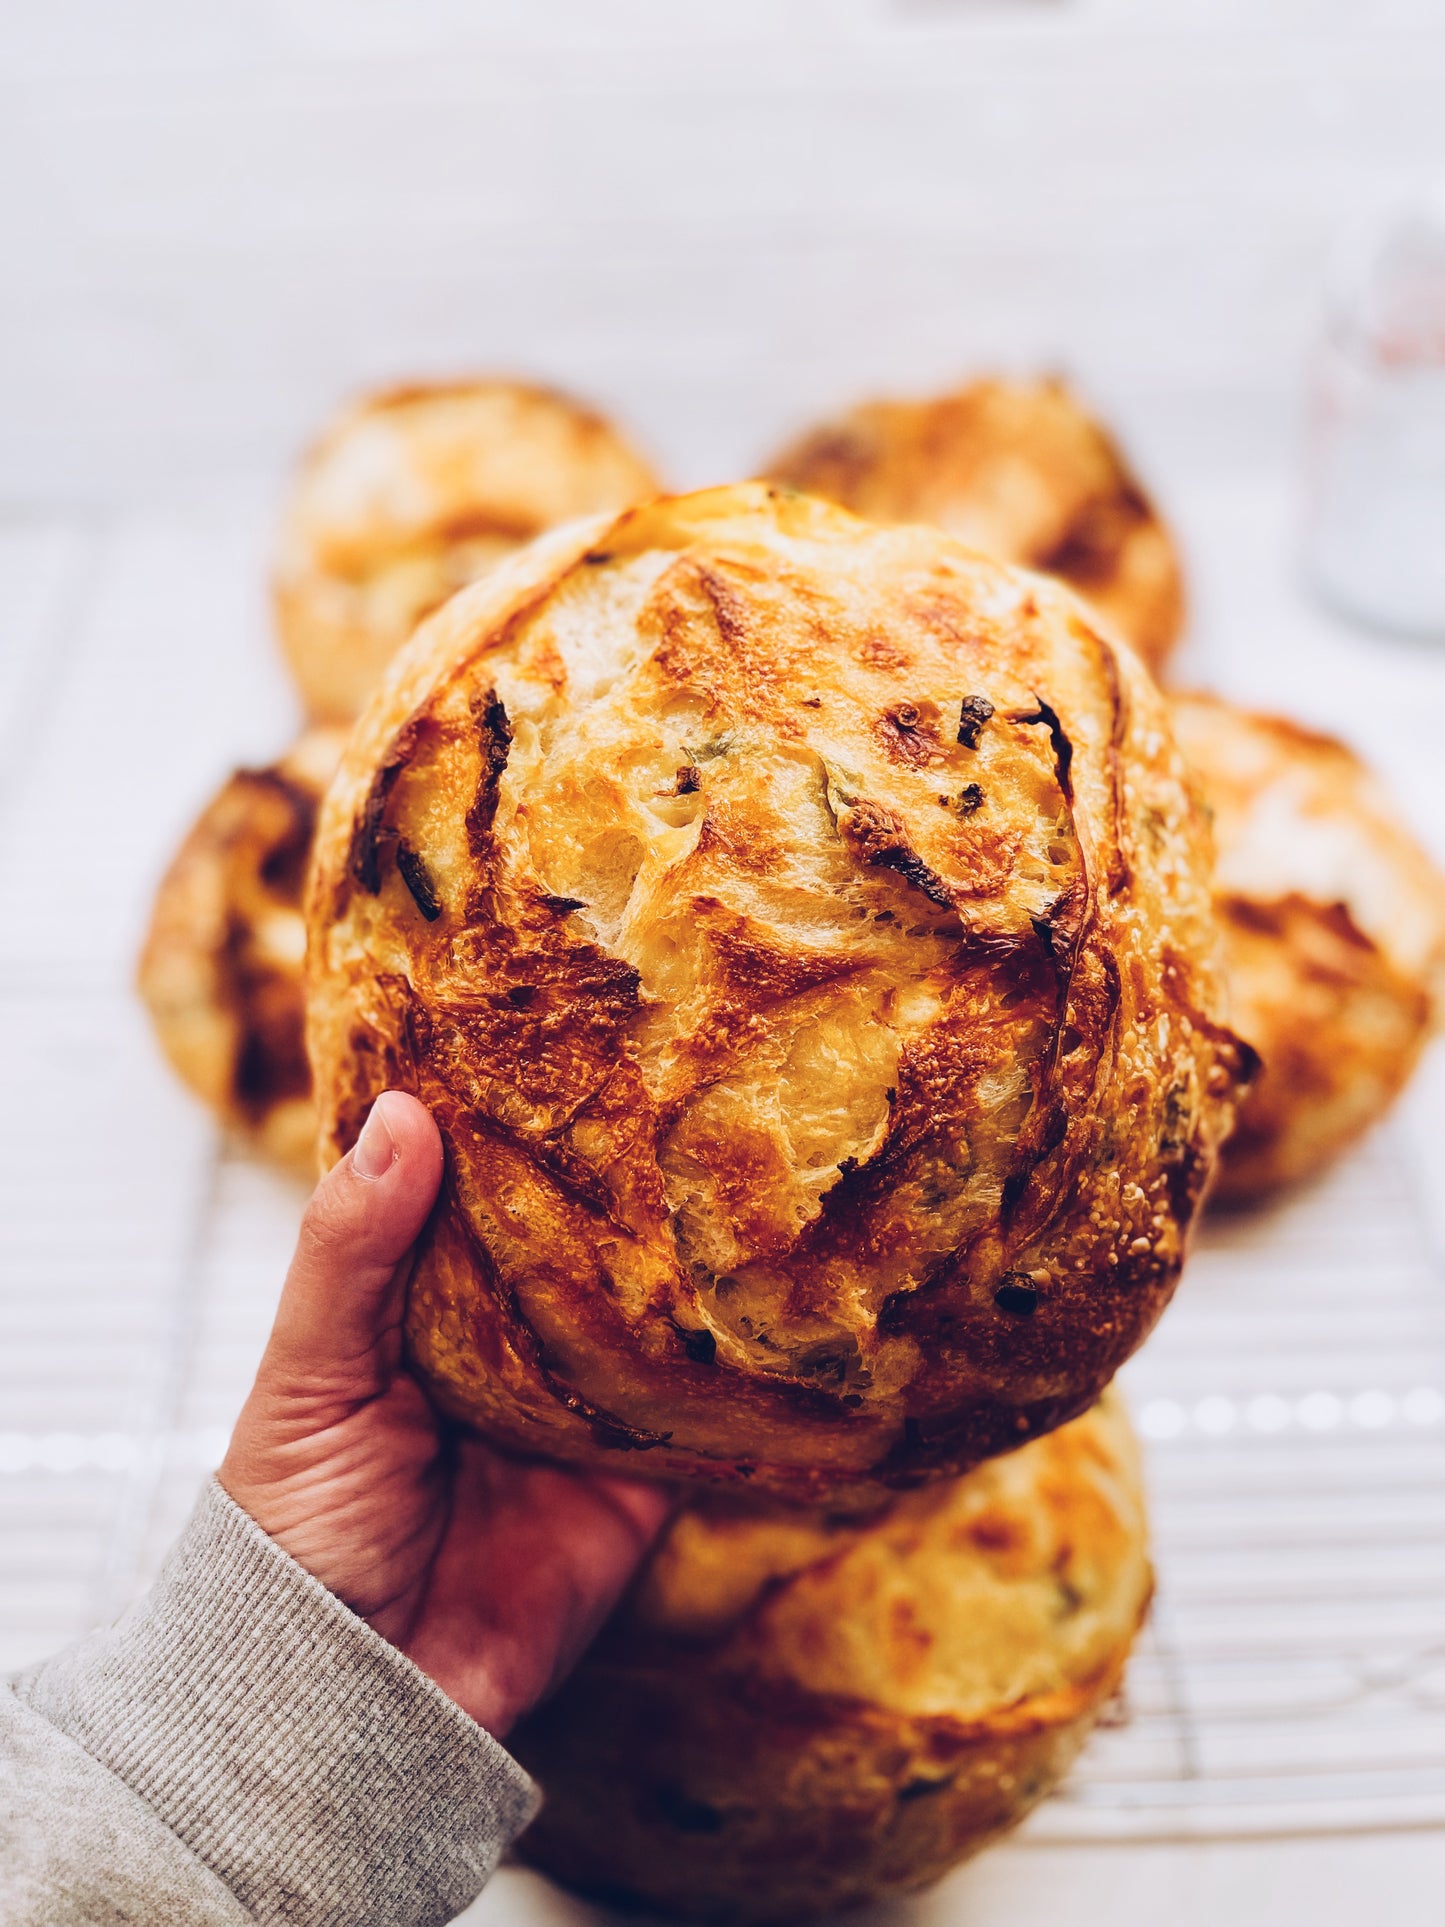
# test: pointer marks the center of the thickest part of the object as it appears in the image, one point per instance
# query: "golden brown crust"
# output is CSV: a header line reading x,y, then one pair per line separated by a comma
x,y
222,968
819,1007
1020,470
793,1715
1333,921
414,492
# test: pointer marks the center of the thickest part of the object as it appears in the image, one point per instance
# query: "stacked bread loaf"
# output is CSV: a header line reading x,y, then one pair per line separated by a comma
x,y
794,1712
803,929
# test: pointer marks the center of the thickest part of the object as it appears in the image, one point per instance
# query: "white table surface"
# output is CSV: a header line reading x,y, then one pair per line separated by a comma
x,y
1284,1761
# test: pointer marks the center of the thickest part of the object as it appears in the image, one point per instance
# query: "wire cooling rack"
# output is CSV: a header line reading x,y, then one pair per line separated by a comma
x,y
1292,1679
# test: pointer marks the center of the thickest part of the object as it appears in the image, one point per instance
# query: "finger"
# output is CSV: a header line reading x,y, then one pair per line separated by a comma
x,y
642,1509
344,1287
626,1517
535,1559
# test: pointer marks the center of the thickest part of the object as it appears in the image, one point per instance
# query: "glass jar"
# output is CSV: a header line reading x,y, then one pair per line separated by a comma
x,y
1375,538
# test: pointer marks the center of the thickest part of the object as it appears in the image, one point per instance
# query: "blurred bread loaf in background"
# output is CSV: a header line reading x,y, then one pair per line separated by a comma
x,y
1333,922
793,1714
410,494
222,967
1021,470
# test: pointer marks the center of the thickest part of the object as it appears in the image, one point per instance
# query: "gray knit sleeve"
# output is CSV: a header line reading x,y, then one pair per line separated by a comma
x,y
303,1762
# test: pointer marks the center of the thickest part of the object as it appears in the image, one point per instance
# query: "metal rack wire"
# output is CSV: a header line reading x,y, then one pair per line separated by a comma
x,y
1293,1676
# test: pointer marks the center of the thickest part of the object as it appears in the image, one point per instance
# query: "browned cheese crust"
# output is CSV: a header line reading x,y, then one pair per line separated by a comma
x,y
1333,921
800,930
1021,470
413,493
793,1715
223,964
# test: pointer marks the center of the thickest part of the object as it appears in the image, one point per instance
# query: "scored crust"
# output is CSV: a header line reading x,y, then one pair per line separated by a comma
x,y
411,494
791,1715
223,964
1021,470
1333,921
800,932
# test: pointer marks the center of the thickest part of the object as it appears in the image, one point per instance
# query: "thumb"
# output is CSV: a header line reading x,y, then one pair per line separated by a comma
x,y
344,1289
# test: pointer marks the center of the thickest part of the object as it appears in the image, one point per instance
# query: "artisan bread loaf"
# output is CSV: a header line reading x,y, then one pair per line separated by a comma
x,y
1333,922
1021,470
222,968
800,930
414,492
792,1714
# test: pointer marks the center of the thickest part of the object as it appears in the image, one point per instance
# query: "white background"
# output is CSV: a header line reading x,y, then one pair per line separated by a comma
x,y
718,220
718,216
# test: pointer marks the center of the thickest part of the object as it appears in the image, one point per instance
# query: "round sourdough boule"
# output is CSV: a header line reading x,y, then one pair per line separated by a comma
x,y
221,972
791,1714
1333,920
412,493
800,930
1021,470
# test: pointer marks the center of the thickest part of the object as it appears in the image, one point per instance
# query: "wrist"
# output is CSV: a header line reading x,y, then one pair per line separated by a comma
x,y
493,1676
290,1748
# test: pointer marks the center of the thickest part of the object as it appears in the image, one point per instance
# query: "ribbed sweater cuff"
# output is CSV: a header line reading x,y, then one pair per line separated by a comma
x,y
304,1760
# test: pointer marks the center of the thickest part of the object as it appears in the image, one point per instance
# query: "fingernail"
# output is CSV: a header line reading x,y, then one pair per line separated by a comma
x,y
375,1150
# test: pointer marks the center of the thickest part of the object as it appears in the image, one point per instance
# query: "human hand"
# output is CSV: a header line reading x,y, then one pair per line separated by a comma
x,y
490,1575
